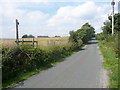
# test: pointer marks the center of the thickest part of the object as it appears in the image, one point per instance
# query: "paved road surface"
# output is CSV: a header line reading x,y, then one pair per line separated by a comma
x,y
81,70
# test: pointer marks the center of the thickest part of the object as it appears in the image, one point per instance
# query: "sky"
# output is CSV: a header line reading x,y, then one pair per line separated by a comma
x,y
52,17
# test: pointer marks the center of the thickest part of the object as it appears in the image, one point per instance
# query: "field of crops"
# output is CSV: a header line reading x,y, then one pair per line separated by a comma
x,y
41,41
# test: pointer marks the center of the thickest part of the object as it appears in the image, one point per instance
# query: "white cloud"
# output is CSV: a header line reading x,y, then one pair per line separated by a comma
x,y
29,20
75,16
57,0
36,22
69,14
25,1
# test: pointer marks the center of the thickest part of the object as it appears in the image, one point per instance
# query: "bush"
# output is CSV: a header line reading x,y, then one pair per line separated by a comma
x,y
23,59
100,36
82,35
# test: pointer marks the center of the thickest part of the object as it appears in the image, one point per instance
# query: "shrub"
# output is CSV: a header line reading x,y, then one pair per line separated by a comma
x,y
23,59
100,36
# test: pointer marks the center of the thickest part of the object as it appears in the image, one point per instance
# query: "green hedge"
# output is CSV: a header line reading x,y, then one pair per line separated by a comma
x,y
23,59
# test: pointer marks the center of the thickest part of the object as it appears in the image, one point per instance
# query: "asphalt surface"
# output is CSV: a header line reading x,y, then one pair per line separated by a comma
x,y
81,70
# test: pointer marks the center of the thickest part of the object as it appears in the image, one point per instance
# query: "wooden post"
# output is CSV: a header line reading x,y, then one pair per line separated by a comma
x,y
17,37
37,44
22,41
33,42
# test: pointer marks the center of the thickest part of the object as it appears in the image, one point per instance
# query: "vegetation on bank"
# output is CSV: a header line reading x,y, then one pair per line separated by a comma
x,y
20,62
110,63
110,48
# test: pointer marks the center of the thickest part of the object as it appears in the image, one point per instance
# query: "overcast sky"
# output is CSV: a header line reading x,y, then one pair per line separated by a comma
x,y
52,17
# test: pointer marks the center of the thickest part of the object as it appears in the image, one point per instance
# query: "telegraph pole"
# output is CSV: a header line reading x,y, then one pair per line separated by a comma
x,y
112,3
17,37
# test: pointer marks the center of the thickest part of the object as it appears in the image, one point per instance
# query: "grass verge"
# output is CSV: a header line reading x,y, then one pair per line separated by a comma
x,y
111,64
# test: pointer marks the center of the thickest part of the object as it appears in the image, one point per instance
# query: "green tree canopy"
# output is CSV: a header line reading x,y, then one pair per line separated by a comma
x,y
85,33
107,28
27,36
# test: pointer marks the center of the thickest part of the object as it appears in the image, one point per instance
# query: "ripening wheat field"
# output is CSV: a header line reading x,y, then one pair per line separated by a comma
x,y
41,41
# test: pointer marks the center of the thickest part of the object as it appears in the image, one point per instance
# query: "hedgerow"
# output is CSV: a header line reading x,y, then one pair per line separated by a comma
x,y
23,59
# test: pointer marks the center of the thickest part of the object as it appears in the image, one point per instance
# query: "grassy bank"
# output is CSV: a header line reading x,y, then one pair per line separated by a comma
x,y
21,62
110,63
23,76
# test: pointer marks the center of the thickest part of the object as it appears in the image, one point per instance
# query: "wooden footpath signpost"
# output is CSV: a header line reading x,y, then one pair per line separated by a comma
x,y
23,42
17,37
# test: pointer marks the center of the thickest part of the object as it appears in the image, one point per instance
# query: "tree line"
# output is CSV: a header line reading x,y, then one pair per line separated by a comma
x,y
107,28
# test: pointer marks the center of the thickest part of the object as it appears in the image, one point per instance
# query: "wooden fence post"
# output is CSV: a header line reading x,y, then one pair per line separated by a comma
x,y
22,41
37,44
33,42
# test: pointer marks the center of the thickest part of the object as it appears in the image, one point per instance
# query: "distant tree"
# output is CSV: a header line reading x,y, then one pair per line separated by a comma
x,y
107,28
25,36
30,36
57,36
